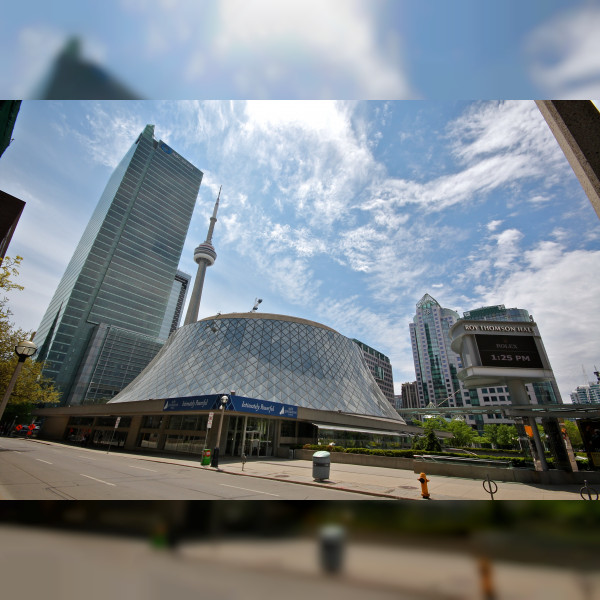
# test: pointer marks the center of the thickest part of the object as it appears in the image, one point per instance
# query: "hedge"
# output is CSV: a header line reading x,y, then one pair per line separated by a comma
x,y
515,461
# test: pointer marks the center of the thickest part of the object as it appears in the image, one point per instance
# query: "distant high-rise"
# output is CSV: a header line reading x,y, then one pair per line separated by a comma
x,y
410,395
437,365
381,368
118,298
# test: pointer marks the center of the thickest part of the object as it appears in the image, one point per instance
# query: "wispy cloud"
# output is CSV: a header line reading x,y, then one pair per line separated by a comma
x,y
550,283
316,219
563,53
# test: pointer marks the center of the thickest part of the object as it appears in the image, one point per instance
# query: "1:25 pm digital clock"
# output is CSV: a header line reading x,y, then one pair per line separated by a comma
x,y
511,351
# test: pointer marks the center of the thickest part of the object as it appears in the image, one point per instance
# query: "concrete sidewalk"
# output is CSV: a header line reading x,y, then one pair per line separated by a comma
x,y
373,482
381,482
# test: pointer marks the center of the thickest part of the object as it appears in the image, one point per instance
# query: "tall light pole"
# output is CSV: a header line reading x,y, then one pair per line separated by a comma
x,y
215,455
23,350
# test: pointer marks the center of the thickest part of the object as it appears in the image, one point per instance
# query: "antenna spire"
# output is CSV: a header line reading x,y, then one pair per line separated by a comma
x,y
213,219
205,256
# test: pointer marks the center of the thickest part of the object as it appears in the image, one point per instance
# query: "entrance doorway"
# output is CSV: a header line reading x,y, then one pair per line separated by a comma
x,y
251,436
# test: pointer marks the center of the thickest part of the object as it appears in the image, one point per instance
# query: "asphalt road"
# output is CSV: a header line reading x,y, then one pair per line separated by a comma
x,y
31,470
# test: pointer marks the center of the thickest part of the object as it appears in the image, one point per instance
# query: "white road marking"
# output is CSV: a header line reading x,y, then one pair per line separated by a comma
x,y
249,490
144,468
100,480
86,457
45,461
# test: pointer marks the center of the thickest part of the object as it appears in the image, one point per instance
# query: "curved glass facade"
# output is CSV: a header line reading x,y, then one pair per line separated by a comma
x,y
269,357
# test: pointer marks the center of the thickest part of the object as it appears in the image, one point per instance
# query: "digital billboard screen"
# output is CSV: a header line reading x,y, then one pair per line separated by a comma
x,y
513,351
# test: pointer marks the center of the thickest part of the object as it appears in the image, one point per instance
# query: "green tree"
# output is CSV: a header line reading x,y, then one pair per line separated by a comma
x,y
463,434
435,423
573,433
8,269
31,388
507,436
491,432
427,442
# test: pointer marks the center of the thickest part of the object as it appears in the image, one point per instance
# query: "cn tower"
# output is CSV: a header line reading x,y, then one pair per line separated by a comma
x,y
205,255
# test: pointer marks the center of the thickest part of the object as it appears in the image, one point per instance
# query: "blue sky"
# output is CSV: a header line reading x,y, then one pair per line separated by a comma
x,y
310,49
345,213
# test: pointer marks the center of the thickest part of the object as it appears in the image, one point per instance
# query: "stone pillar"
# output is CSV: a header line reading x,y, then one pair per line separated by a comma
x,y
518,396
576,126
162,432
564,458
134,429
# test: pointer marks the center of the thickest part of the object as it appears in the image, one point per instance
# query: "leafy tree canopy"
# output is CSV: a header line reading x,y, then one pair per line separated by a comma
x,y
31,388
463,433
573,433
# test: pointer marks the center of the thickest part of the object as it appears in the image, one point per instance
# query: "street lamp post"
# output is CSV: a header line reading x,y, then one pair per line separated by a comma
x,y
215,456
23,350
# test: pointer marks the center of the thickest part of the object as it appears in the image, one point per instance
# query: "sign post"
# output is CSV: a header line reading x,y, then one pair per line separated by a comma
x,y
206,454
117,421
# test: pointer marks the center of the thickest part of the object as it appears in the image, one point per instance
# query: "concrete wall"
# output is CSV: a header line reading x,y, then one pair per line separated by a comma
x,y
368,460
54,427
457,470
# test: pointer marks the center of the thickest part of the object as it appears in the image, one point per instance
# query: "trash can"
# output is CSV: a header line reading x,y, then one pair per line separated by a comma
x,y
331,548
205,458
321,465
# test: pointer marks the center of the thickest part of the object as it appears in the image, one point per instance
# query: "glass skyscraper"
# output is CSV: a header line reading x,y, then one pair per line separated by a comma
x,y
117,301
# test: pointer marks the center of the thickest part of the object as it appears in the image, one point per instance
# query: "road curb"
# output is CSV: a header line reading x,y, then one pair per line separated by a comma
x,y
321,485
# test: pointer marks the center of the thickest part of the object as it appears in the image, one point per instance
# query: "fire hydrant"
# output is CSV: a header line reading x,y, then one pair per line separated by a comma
x,y
424,491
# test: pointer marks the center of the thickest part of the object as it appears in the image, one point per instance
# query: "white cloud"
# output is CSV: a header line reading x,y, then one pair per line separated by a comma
x,y
341,38
273,49
499,144
293,279
563,53
539,199
493,225
558,288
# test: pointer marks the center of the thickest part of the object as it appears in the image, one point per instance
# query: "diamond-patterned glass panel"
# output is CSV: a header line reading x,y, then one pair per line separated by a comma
x,y
274,359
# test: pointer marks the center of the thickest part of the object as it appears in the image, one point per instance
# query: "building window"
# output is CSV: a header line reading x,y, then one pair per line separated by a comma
x,y
151,421
148,440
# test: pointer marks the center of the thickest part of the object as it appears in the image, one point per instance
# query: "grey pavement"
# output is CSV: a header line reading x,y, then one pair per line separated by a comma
x,y
69,565
372,482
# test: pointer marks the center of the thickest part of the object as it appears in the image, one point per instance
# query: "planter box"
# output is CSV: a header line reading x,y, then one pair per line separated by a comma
x,y
368,460
552,477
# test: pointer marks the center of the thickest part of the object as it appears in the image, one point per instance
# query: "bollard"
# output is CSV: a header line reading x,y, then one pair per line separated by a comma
x,y
424,491
491,487
485,572
587,489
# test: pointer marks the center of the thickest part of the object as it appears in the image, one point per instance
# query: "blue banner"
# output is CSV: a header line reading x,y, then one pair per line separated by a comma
x,y
192,403
234,403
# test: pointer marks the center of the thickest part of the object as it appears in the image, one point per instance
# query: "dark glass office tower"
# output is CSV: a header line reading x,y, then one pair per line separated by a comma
x,y
105,321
